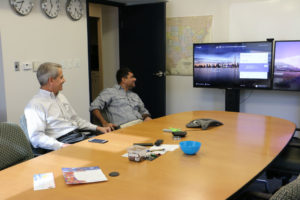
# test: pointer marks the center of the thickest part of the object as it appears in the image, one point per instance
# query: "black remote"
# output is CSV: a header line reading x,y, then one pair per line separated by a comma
x,y
158,142
179,133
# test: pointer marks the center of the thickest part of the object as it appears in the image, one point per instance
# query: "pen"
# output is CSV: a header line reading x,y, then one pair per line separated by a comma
x,y
156,150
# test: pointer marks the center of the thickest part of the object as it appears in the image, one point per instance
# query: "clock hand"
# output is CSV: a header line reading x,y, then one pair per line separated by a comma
x,y
51,5
21,4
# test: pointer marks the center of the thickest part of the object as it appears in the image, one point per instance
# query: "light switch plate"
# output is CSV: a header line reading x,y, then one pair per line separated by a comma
x,y
26,66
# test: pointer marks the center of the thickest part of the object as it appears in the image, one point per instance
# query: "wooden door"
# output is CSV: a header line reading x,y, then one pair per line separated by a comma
x,y
142,49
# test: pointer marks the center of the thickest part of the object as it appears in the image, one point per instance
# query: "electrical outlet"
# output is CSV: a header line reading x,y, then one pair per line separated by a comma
x,y
17,66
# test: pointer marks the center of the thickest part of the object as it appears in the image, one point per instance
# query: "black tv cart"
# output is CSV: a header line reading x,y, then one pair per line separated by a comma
x,y
232,100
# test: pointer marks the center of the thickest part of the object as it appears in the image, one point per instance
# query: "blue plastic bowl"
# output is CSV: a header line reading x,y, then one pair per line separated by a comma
x,y
190,147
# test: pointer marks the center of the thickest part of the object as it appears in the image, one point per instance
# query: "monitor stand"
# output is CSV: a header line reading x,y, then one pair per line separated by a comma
x,y
232,100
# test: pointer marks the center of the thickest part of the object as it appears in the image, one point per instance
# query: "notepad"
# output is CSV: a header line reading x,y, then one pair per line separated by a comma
x,y
43,181
83,175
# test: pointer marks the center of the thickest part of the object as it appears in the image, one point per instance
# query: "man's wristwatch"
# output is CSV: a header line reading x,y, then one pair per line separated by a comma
x,y
145,116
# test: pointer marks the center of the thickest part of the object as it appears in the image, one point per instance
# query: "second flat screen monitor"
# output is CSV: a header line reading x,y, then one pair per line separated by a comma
x,y
233,65
287,65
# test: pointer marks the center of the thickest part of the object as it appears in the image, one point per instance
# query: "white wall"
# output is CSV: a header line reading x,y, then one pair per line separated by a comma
x,y
238,20
38,38
261,19
2,89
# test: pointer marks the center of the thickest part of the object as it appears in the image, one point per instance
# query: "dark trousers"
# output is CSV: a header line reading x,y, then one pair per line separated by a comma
x,y
69,138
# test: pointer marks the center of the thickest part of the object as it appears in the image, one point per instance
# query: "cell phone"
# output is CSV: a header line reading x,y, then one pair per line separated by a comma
x,y
98,141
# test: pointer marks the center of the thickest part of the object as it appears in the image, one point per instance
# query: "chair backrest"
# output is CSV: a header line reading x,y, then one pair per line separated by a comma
x,y
36,151
14,146
23,125
288,192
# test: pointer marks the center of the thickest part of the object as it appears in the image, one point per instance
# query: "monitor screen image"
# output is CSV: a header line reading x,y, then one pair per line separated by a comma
x,y
287,65
233,65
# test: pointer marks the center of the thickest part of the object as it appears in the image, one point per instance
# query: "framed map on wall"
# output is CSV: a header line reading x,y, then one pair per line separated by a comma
x,y
182,32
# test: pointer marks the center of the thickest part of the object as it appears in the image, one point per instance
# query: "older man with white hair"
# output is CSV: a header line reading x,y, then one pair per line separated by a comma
x,y
52,122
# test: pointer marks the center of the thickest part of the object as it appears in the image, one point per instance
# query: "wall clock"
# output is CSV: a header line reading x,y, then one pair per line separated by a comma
x,y
22,7
74,9
50,7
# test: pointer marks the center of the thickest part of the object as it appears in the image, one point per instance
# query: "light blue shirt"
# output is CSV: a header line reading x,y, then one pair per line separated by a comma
x,y
122,106
49,117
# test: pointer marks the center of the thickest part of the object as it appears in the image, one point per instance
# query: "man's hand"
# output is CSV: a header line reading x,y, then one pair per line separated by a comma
x,y
103,129
110,125
147,118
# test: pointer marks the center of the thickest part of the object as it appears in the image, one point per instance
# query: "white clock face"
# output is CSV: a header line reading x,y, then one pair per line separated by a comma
x,y
50,7
74,9
22,7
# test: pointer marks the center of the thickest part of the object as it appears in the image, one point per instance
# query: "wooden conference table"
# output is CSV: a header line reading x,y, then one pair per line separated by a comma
x,y
231,155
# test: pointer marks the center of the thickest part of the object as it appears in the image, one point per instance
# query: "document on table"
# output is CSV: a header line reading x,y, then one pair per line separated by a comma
x,y
43,181
166,147
83,175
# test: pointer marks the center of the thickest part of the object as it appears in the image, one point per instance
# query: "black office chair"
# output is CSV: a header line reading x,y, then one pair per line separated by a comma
x,y
291,191
14,146
287,163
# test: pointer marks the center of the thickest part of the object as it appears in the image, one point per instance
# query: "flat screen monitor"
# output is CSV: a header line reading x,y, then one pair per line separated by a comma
x,y
287,65
233,65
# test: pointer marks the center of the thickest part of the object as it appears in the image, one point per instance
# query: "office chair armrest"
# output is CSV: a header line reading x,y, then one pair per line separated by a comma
x,y
257,195
295,142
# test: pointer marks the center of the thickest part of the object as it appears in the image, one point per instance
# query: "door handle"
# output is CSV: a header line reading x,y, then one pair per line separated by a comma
x,y
159,74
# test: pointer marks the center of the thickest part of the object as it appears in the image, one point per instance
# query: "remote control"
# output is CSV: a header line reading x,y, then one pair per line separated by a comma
x,y
179,133
158,142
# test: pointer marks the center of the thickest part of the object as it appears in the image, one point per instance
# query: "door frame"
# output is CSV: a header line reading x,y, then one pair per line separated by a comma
x,y
95,10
